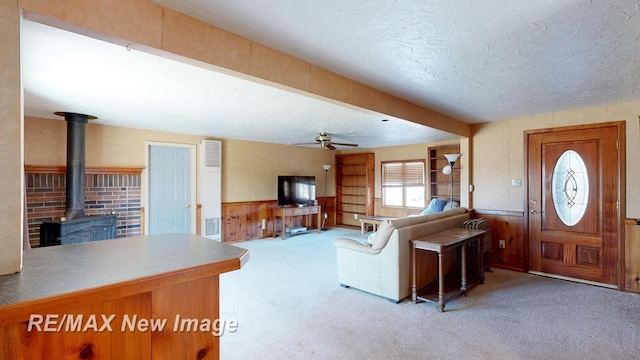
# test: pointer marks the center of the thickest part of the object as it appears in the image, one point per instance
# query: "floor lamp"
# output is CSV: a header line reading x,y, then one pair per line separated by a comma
x,y
448,170
324,206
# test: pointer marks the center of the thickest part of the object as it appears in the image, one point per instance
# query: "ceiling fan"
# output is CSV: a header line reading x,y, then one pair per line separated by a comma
x,y
325,142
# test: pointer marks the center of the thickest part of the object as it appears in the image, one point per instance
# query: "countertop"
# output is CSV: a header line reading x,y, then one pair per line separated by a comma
x,y
65,270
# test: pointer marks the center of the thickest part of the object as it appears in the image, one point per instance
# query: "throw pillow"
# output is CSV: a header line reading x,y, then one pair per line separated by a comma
x,y
440,204
431,209
382,235
451,205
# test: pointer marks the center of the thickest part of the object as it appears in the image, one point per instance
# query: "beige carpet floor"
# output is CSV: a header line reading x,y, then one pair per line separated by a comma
x,y
289,305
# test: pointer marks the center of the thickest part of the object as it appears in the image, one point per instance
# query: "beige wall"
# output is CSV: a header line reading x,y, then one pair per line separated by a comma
x,y
249,169
108,146
11,161
397,153
498,154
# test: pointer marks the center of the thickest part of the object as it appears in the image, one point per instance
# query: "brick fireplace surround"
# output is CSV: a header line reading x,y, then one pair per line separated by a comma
x,y
106,190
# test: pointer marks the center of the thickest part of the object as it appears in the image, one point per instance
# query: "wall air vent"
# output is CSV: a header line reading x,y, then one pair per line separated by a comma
x,y
210,180
211,227
212,153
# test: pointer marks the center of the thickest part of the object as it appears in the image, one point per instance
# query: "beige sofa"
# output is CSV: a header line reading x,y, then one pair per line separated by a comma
x,y
384,267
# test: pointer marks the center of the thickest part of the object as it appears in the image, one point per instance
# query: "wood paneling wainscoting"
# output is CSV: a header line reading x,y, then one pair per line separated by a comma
x,y
242,221
632,255
507,226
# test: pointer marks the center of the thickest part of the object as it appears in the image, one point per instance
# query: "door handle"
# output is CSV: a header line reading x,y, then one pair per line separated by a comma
x,y
534,211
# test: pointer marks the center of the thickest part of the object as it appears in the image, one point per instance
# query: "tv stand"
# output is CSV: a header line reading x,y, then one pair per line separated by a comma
x,y
286,212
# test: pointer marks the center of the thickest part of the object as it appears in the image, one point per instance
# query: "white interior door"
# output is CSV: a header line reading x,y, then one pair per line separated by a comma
x,y
171,195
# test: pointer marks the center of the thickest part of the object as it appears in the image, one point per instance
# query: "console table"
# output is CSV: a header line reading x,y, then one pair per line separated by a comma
x,y
448,287
287,212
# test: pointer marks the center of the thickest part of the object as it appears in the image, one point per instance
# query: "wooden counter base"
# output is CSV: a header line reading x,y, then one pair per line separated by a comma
x,y
131,281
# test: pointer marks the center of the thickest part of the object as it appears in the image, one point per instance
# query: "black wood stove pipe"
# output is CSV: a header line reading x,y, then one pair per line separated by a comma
x,y
76,124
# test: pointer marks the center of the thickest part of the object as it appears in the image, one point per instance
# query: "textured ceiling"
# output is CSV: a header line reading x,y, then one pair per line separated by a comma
x,y
65,71
477,61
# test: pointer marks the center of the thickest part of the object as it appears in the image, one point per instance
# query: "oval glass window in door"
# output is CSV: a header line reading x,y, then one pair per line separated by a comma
x,y
570,187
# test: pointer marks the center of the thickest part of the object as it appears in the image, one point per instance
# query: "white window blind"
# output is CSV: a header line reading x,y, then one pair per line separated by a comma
x,y
403,184
403,173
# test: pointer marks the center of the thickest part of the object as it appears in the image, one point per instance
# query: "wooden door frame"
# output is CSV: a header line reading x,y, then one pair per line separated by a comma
x,y
145,181
621,189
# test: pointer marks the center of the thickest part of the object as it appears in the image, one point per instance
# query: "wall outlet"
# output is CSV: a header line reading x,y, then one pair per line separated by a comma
x,y
502,244
355,216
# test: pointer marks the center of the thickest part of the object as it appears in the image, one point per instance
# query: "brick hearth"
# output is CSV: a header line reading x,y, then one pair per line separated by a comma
x,y
104,193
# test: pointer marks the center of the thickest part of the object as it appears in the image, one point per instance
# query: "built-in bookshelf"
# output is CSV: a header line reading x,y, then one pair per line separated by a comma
x,y
440,183
354,187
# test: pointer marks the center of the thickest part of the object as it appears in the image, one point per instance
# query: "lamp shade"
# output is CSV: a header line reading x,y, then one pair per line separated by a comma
x,y
452,158
326,167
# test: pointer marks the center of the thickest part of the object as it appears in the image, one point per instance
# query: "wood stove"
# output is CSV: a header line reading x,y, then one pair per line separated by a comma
x,y
75,226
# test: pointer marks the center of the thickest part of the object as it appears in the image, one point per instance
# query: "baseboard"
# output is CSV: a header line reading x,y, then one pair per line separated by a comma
x,y
560,277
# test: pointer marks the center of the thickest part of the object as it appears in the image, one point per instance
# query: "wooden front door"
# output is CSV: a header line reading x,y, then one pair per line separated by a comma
x,y
573,202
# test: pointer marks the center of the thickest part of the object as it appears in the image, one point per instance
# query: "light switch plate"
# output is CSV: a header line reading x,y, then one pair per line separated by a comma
x,y
516,182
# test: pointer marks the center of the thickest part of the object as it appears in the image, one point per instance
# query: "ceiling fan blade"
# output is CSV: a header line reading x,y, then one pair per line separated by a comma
x,y
305,144
324,140
343,144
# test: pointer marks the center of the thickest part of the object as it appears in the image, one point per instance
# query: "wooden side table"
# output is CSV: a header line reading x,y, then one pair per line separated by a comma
x,y
373,220
447,288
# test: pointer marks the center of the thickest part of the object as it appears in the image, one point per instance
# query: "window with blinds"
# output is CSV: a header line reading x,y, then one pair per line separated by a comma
x,y
403,184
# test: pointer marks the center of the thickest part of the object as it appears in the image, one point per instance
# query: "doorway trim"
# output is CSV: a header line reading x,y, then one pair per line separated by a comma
x,y
145,180
621,195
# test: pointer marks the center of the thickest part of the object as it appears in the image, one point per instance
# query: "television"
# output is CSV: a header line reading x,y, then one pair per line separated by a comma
x,y
296,190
